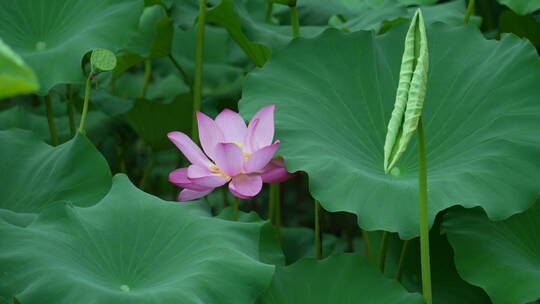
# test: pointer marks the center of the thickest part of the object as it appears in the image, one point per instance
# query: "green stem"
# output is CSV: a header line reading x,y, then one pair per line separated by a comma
x,y
367,245
236,203
199,54
383,249
318,243
295,21
180,69
470,10
50,120
271,204
147,74
147,171
86,101
269,11
423,206
70,110
402,258
113,84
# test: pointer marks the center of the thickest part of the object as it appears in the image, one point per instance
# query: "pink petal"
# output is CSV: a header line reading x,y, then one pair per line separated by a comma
x,y
188,195
260,158
202,176
189,148
246,186
209,134
232,125
229,158
261,133
274,175
179,178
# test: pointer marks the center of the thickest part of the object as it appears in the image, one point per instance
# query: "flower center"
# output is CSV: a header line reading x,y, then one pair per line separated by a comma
x,y
241,146
216,169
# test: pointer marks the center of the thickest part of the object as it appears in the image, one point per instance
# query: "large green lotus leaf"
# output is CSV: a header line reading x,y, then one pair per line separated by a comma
x,y
501,257
36,175
132,247
340,278
334,95
522,7
53,35
153,119
15,76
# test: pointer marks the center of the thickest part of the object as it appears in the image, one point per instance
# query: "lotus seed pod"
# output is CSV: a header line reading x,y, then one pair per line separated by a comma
x,y
410,94
103,59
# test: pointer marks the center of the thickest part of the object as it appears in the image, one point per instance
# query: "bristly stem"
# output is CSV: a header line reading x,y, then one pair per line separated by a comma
x,y
423,206
199,54
180,69
70,110
318,243
236,204
50,120
269,11
367,245
147,170
146,79
86,101
295,22
383,249
402,258
470,10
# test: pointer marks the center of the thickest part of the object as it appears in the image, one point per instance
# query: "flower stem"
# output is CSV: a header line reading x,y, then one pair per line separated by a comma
x,y
86,101
269,11
383,249
423,206
318,243
50,120
146,79
180,69
236,203
70,110
199,54
367,245
295,21
402,258
470,9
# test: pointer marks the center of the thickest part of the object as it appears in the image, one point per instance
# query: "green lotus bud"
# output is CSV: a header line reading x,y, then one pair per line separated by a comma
x,y
103,59
411,92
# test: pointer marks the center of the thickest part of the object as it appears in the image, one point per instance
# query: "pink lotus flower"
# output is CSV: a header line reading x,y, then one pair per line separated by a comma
x,y
234,153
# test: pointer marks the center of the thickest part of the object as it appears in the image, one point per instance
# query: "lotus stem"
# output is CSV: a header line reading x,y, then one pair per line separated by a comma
x,y
86,101
147,74
197,81
402,257
70,110
318,243
236,204
295,22
367,245
269,11
383,249
147,170
470,10
50,120
423,207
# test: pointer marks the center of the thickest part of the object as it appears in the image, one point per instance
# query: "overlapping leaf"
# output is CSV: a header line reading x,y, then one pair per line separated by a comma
x,y
501,257
522,6
334,95
15,76
131,248
341,278
36,175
